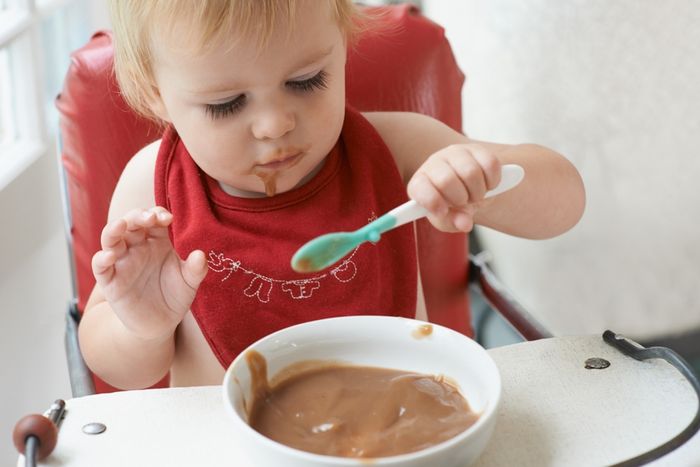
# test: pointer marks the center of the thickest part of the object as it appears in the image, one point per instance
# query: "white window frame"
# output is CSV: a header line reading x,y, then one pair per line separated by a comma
x,y
20,27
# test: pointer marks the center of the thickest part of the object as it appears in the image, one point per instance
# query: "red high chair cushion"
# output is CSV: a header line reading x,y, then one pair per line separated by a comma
x,y
407,66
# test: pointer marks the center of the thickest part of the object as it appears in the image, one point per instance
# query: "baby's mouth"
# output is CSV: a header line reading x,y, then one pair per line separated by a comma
x,y
275,162
281,159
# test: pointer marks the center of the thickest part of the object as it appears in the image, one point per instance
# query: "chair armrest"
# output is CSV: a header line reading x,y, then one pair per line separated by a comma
x,y
636,351
80,376
482,280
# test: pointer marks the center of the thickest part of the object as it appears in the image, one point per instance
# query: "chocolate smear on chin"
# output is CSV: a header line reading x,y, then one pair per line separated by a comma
x,y
269,179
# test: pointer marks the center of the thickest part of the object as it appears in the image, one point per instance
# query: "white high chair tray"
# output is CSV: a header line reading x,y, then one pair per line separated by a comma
x,y
554,412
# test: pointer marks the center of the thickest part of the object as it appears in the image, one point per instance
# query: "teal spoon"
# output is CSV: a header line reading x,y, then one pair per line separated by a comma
x,y
327,249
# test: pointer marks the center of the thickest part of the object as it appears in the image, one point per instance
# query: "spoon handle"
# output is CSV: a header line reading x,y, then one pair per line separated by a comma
x,y
511,175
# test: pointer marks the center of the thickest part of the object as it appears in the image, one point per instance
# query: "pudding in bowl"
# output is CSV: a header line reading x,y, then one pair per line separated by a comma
x,y
363,390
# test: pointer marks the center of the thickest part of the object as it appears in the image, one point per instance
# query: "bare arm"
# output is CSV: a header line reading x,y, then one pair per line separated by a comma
x,y
447,172
116,355
143,289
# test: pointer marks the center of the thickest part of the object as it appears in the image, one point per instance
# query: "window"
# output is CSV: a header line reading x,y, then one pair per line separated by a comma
x,y
36,38
7,131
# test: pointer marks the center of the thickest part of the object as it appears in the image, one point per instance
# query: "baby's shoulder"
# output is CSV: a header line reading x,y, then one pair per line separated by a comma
x,y
141,167
135,188
412,137
390,123
144,160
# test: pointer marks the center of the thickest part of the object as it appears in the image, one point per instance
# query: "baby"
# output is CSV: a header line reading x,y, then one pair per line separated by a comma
x,y
260,154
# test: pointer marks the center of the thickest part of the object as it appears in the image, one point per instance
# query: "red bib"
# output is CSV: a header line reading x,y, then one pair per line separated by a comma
x,y
250,290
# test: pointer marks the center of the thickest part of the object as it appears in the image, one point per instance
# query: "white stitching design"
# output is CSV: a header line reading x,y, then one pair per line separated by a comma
x,y
261,286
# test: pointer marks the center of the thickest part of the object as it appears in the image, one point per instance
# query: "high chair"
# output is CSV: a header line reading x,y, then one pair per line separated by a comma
x,y
406,66
560,404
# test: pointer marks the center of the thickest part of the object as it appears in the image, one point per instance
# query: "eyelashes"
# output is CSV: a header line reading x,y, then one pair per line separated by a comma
x,y
216,111
317,82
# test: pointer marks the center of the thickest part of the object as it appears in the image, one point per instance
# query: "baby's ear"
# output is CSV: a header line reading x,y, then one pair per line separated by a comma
x,y
157,106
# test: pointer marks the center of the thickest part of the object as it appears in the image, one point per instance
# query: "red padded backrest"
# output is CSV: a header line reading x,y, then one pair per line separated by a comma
x,y
407,66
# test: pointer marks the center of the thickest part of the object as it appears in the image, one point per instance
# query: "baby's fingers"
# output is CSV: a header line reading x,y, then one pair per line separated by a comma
x,y
463,219
112,237
103,266
194,269
163,216
142,224
422,190
445,178
156,215
489,163
182,281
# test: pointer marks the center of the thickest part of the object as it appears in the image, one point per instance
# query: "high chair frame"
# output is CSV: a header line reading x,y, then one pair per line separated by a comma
x,y
406,66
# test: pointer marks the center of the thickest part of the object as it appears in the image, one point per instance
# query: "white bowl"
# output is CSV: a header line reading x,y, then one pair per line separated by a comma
x,y
379,341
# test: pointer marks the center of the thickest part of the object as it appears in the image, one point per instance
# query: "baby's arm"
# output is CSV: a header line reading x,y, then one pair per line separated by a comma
x,y
449,174
143,288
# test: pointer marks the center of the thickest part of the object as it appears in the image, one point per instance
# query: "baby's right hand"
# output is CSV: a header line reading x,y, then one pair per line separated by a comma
x,y
141,276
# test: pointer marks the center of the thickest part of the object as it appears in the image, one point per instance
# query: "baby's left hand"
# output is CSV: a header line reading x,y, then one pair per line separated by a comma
x,y
452,182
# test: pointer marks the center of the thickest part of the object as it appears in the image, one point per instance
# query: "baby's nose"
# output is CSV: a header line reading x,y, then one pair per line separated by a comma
x,y
273,124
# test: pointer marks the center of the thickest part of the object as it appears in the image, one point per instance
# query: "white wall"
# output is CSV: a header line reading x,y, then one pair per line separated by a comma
x,y
614,87
34,289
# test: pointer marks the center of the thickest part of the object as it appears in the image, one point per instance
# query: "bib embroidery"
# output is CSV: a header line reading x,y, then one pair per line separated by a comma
x,y
261,286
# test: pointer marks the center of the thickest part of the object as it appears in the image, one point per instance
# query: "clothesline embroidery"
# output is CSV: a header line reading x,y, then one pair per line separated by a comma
x,y
261,286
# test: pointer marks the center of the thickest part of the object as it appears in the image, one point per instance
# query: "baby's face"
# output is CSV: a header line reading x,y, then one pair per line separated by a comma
x,y
248,115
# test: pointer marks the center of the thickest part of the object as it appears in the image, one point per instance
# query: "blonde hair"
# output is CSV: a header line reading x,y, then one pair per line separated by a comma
x,y
136,23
